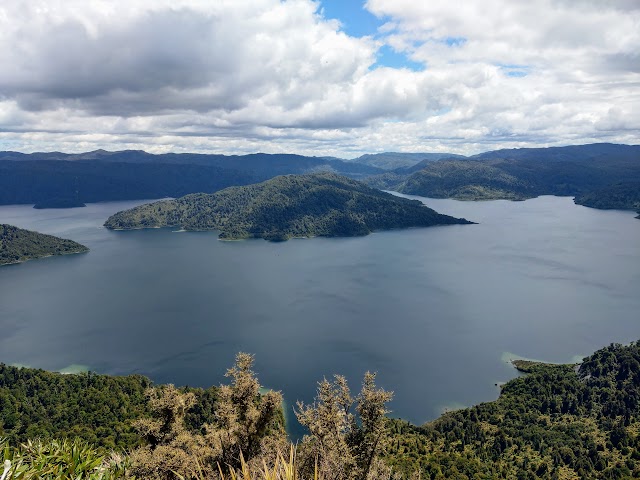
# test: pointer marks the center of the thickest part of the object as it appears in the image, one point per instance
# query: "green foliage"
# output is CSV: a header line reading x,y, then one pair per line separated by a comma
x,y
559,421
556,422
284,207
467,180
17,245
59,460
98,409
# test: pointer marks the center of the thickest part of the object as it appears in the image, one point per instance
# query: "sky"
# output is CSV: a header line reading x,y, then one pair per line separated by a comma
x,y
328,77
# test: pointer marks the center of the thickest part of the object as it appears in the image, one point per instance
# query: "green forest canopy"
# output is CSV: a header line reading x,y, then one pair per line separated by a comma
x,y
17,245
322,204
557,421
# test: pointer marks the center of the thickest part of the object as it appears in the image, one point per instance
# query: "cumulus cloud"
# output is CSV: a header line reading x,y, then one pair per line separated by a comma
x,y
264,75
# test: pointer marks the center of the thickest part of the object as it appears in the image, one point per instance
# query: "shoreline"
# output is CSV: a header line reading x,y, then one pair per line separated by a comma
x,y
17,262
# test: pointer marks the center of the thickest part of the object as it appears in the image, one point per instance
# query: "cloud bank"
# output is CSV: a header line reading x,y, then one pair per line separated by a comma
x,y
236,76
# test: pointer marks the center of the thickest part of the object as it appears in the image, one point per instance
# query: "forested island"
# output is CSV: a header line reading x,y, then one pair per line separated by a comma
x,y
322,204
18,245
555,422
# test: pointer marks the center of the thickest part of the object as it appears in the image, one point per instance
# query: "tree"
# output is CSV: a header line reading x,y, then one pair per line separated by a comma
x,y
172,451
345,445
247,425
245,420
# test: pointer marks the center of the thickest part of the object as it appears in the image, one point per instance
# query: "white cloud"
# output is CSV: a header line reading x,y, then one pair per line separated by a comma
x,y
263,75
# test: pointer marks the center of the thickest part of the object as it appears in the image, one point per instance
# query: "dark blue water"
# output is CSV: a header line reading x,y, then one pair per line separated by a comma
x,y
434,311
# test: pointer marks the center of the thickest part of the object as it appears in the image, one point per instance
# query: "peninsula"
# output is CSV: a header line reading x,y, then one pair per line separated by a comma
x,y
18,245
321,204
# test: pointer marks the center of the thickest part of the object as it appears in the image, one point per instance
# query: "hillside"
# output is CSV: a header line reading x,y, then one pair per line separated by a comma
x,y
322,204
624,196
54,178
467,180
44,181
398,160
98,409
558,421
18,245
599,175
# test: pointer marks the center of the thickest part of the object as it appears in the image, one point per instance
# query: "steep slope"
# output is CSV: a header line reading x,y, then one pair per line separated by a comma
x,y
322,204
18,245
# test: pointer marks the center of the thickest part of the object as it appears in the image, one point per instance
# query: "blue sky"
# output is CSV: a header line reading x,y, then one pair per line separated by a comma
x,y
357,21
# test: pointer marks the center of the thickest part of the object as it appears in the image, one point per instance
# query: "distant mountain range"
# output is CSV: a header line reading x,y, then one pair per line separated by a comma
x,y
59,178
321,204
598,175
397,160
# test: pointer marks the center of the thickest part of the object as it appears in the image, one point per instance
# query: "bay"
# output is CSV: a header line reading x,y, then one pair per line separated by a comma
x,y
437,312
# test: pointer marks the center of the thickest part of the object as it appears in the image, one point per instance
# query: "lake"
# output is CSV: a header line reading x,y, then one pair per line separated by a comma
x,y
435,311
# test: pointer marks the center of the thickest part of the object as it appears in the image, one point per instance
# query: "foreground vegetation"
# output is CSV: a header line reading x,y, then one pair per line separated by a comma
x,y
556,422
18,245
321,204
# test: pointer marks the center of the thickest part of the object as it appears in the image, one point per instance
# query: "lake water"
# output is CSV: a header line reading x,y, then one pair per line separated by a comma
x,y
434,311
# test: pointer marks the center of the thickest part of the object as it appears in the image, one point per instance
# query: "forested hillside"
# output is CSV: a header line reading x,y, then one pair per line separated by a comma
x,y
59,179
599,175
17,245
527,173
558,421
399,160
624,195
289,206
98,409
47,181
